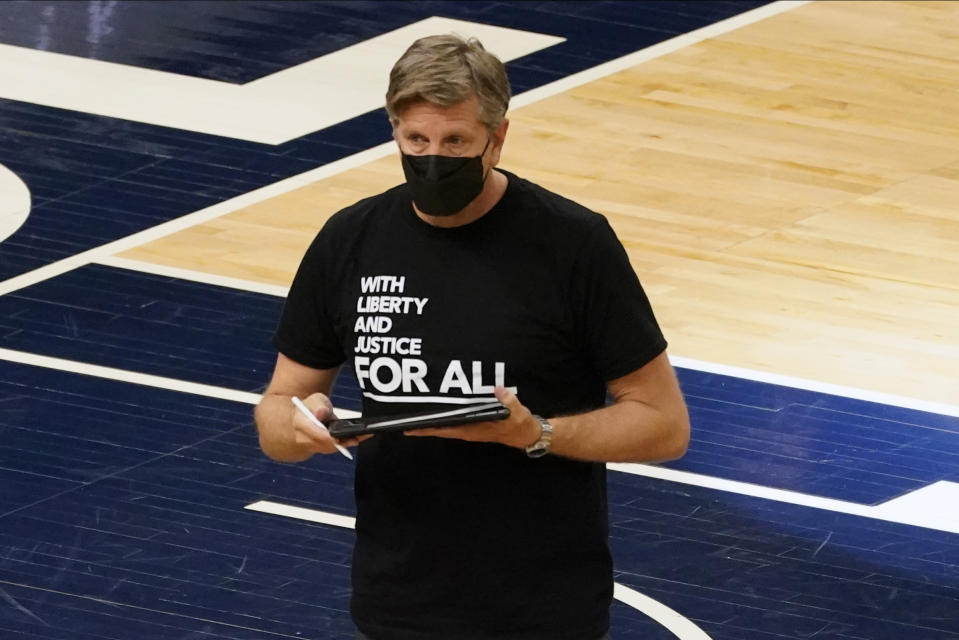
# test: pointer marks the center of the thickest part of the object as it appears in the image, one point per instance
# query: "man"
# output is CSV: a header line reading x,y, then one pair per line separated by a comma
x,y
466,283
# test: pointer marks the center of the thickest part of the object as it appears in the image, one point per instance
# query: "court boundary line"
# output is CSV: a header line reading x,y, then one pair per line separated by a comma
x,y
203,277
886,511
144,379
125,375
336,167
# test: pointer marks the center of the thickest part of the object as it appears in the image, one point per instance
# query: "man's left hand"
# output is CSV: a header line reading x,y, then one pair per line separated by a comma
x,y
519,430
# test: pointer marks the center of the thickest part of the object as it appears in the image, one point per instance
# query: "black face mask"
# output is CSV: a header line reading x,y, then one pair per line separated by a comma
x,y
443,185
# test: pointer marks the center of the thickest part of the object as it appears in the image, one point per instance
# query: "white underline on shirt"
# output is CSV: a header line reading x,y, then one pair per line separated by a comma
x,y
438,399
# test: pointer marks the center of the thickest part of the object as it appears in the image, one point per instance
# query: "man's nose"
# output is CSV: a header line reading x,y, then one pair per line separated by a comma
x,y
433,149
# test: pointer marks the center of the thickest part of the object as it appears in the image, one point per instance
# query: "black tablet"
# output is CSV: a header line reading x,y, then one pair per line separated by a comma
x,y
350,427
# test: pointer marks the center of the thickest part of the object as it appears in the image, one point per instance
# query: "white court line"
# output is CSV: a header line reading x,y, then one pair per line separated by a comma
x,y
123,375
932,500
911,512
680,626
194,276
301,513
148,380
814,385
381,151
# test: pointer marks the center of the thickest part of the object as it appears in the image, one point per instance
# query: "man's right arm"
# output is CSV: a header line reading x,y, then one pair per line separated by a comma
x,y
285,434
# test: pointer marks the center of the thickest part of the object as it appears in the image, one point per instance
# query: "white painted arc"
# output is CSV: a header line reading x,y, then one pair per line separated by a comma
x,y
677,624
271,110
15,203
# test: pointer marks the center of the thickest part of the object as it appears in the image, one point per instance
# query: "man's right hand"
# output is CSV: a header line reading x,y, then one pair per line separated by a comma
x,y
308,436
286,434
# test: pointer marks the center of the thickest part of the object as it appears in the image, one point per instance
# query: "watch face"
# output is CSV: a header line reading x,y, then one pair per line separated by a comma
x,y
541,447
537,450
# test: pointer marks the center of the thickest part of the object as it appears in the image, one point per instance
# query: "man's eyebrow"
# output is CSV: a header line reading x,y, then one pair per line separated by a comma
x,y
456,133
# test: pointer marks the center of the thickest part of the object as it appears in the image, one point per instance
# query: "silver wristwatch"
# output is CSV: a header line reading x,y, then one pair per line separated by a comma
x,y
541,447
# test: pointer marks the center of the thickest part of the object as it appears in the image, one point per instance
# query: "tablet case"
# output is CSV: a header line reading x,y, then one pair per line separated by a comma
x,y
350,427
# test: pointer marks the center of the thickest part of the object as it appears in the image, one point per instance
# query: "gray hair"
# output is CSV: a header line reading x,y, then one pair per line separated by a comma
x,y
445,70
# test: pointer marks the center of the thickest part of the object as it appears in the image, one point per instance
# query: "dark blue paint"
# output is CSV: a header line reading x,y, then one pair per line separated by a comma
x,y
731,565
167,542
153,324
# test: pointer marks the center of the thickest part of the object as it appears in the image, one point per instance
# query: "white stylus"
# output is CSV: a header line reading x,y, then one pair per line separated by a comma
x,y
316,422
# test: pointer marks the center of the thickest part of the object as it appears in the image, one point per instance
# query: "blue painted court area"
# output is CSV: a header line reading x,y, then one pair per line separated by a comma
x,y
126,519
814,443
147,323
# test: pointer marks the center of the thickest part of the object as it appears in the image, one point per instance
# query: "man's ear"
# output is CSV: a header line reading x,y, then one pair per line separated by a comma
x,y
499,139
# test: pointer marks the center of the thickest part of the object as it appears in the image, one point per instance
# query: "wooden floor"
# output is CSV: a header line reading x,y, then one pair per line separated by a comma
x,y
788,193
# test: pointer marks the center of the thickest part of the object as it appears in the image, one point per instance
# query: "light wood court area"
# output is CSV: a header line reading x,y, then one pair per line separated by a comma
x,y
788,193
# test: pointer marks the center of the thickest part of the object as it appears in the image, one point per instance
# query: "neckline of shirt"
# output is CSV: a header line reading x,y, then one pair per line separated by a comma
x,y
488,218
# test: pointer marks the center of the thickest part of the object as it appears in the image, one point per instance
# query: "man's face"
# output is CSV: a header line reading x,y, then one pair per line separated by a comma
x,y
426,129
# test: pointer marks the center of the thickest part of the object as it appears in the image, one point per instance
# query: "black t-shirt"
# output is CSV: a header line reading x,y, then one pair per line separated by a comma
x,y
456,539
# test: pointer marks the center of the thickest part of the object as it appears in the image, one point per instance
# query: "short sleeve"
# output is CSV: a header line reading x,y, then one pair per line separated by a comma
x,y
616,321
306,331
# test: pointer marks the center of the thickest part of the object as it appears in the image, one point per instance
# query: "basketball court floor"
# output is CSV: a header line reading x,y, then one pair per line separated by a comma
x,y
784,176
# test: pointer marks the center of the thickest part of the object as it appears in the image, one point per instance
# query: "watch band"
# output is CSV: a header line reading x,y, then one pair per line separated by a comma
x,y
541,447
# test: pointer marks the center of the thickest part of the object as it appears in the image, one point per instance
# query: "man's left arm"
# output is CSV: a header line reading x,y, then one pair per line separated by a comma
x,y
647,422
